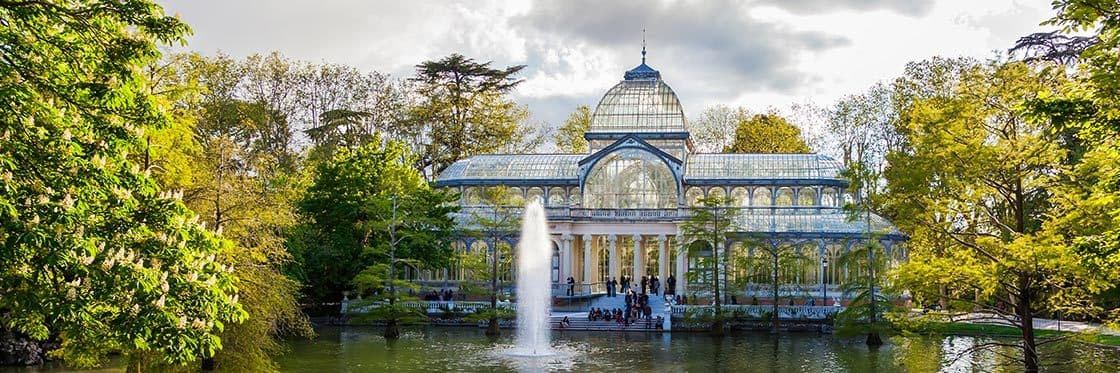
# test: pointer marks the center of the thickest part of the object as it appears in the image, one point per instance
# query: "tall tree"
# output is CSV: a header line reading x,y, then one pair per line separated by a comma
x,y
772,258
248,200
493,223
714,131
569,138
766,133
983,167
94,253
710,223
462,109
344,241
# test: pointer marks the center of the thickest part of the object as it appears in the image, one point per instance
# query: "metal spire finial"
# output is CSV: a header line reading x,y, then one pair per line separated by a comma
x,y
643,46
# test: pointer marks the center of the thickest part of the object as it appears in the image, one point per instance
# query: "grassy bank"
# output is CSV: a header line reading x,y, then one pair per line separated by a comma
x,y
948,328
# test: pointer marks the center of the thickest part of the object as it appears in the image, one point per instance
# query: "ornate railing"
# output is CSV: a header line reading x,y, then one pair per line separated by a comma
x,y
431,307
784,312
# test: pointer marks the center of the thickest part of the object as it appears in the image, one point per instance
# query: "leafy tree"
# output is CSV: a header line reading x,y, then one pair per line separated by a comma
x,y
766,133
714,131
94,254
987,170
864,313
711,221
493,223
771,257
569,138
348,211
249,200
462,111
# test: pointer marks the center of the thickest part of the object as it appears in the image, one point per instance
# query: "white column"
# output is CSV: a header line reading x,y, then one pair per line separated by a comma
x,y
639,261
587,259
566,265
682,263
614,263
662,259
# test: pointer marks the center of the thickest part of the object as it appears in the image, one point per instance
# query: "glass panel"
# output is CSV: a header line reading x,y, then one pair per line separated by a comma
x,y
534,193
472,197
741,196
639,106
628,179
784,197
806,197
517,196
761,197
574,198
716,192
761,166
693,195
828,197
557,197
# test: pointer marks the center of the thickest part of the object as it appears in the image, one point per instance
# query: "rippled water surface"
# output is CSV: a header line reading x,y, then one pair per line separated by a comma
x,y
361,349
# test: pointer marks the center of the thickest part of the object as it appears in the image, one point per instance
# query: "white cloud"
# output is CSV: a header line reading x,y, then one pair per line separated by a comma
x,y
756,53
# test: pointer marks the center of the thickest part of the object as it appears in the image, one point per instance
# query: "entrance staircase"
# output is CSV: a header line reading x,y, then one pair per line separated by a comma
x,y
578,320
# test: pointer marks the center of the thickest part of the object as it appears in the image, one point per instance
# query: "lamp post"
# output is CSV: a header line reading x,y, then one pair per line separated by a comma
x,y
824,282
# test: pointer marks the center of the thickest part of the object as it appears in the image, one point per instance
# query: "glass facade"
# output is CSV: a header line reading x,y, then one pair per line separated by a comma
x,y
630,179
636,187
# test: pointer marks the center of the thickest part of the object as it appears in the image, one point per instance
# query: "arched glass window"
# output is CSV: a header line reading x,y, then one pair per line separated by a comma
x,y
629,179
533,193
557,197
828,197
806,197
716,192
741,196
784,197
472,196
555,263
761,197
693,195
516,196
574,198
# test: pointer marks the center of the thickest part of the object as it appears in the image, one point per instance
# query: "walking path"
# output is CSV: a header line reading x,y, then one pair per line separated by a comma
x,y
1043,324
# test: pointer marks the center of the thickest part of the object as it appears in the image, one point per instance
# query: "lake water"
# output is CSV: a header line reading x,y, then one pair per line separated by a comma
x,y
361,349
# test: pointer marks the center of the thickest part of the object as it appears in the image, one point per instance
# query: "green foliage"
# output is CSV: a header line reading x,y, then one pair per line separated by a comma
x,y
569,139
714,130
386,312
349,210
766,133
93,252
463,111
710,222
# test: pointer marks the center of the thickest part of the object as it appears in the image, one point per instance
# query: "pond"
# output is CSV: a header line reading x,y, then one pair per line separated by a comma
x,y
362,349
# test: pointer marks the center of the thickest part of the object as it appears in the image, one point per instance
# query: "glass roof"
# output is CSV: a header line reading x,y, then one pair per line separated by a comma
x,y
761,166
514,167
825,222
642,103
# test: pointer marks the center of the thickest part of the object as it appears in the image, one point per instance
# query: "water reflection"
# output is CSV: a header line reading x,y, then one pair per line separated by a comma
x,y
358,349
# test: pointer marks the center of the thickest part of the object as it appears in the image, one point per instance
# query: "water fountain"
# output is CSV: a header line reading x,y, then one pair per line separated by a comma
x,y
534,291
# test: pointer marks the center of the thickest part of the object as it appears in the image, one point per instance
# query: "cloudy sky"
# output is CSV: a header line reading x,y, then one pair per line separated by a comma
x,y
753,53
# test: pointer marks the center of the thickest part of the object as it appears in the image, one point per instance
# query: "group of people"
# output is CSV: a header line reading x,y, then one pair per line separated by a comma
x,y
649,284
637,309
441,296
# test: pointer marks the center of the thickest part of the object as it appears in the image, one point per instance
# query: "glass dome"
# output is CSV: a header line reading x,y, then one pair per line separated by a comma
x,y
641,103
630,179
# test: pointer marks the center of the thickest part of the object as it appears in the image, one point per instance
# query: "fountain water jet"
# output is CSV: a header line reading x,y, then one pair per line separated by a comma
x,y
534,290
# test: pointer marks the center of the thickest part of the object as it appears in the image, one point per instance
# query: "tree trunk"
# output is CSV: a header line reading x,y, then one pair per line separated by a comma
x,y
774,292
1026,321
392,329
493,329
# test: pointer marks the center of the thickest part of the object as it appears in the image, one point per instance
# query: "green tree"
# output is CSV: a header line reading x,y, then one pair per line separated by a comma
x,y
249,200
710,222
987,169
462,110
569,138
498,220
772,258
349,217
95,253
766,133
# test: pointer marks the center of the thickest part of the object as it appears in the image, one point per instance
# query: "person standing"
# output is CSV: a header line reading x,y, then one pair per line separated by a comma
x,y
571,286
672,282
611,292
645,284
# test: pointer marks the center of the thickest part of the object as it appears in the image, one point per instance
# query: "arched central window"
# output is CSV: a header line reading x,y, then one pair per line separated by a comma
x,y
630,179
